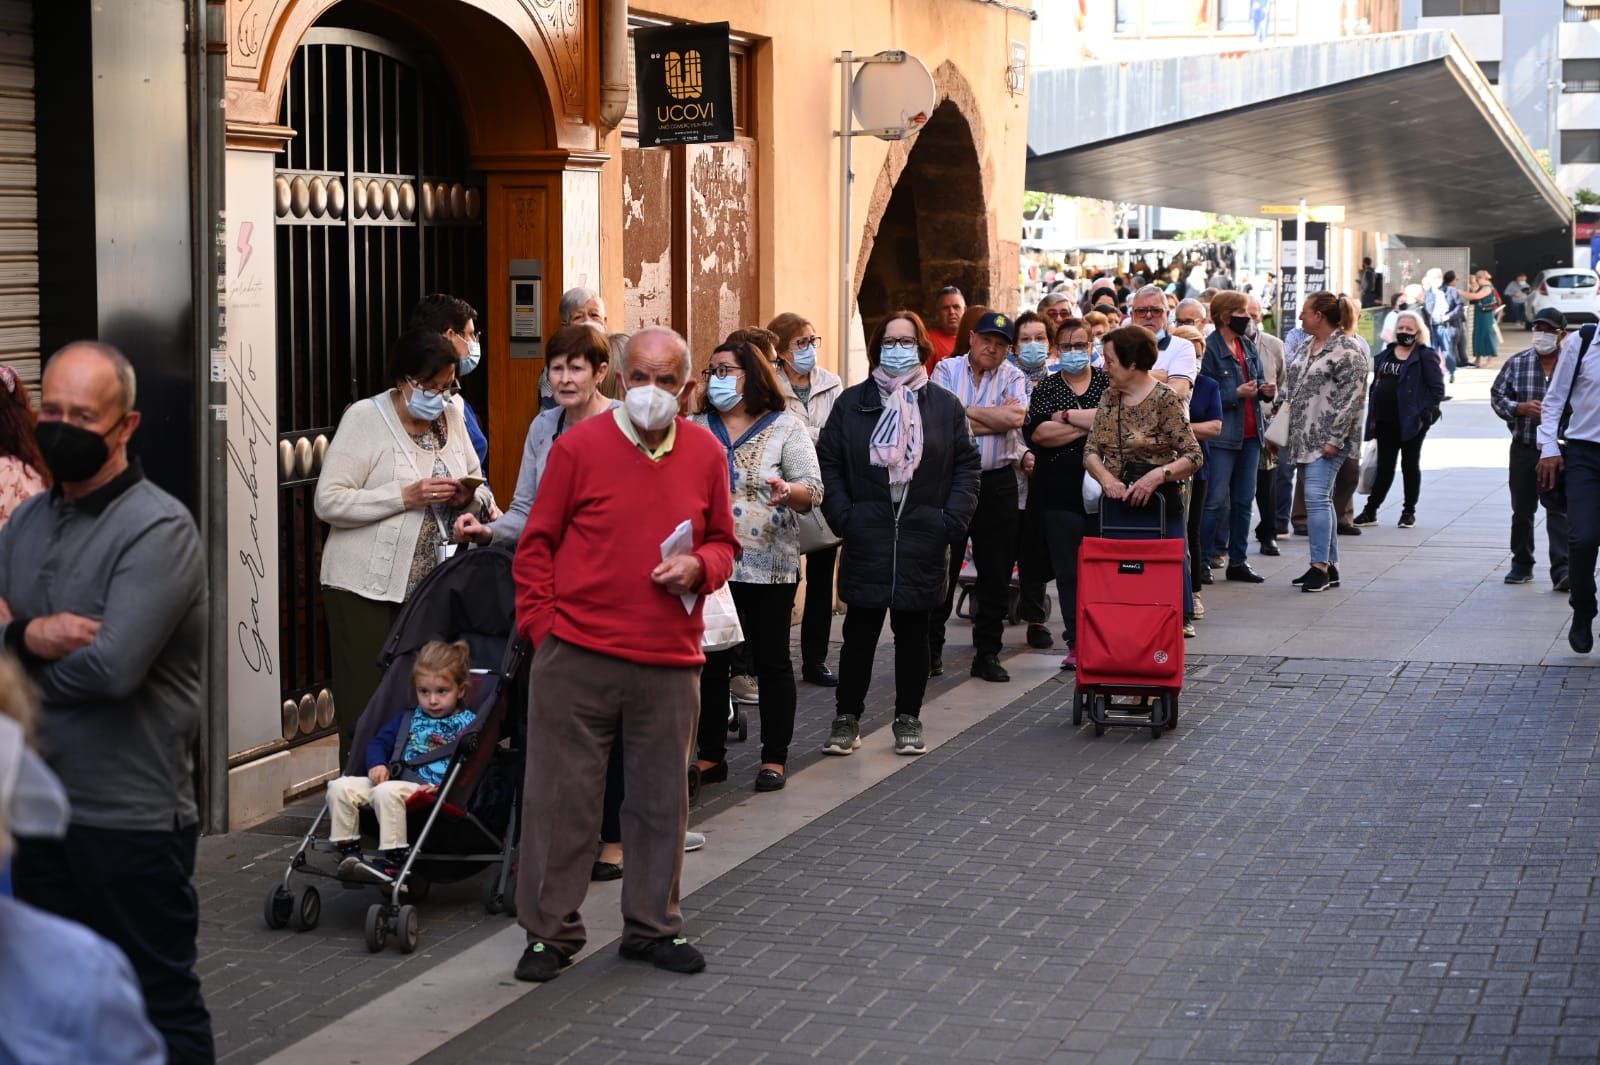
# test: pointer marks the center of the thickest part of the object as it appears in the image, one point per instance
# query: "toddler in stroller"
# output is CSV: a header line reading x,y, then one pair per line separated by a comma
x,y
408,755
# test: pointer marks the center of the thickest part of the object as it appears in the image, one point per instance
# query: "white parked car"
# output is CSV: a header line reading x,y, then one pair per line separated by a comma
x,y
1573,292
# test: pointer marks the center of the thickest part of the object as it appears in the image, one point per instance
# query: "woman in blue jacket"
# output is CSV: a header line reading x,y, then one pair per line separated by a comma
x,y
1231,360
1407,387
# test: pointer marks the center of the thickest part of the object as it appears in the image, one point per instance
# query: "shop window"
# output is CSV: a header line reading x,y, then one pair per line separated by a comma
x,y
1233,16
1456,8
1580,75
1491,71
1580,146
1127,16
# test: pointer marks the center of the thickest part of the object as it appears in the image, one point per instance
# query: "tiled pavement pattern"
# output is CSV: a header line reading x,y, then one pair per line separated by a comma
x,y
1327,862
268,989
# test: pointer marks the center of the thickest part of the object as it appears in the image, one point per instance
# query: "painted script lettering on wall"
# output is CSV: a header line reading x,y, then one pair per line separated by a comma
x,y
684,83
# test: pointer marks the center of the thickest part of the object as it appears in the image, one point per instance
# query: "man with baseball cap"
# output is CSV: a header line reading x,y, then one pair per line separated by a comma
x,y
994,391
1517,396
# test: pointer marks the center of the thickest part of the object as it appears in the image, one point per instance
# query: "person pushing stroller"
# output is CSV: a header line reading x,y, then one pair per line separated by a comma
x,y
410,754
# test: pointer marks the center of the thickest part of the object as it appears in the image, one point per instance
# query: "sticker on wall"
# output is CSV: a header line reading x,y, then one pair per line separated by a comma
x,y
684,83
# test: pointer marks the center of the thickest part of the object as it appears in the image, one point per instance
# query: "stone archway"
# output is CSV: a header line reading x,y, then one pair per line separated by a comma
x,y
929,222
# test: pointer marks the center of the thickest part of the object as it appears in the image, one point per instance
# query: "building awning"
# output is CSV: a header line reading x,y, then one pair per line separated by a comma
x,y
1400,129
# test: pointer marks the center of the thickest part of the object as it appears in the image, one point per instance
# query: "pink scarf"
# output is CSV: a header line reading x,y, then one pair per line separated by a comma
x,y
897,439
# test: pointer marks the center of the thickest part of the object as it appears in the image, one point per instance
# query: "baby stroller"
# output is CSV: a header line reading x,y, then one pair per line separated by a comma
x,y
968,583
470,822
1130,622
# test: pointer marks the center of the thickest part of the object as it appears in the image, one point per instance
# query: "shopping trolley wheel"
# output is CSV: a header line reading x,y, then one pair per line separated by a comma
x,y
307,909
405,928
1172,710
279,904
1079,698
377,928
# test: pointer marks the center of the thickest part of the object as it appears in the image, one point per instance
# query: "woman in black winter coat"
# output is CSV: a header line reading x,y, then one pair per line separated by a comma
x,y
900,472
1407,387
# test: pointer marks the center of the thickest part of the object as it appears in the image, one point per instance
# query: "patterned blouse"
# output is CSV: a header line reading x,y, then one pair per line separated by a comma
x,y
426,556
1154,432
1327,397
18,482
769,535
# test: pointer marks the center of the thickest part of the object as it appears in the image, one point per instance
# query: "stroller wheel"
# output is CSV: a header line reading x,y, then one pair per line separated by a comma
x,y
405,927
739,724
377,928
279,904
306,911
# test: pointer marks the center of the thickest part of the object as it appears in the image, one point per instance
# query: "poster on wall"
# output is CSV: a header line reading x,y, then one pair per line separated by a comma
x,y
684,84
1316,272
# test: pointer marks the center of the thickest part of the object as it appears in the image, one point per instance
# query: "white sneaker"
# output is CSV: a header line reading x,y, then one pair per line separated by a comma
x,y
693,841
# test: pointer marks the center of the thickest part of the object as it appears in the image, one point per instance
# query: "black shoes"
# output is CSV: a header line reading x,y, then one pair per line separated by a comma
x,y
1367,517
1408,518
1244,573
1039,637
1301,530
1269,548
1562,584
1518,576
1333,577
1581,635
988,667
820,675
1349,530
715,775
769,780
1315,580
674,954
936,664
1205,575
603,871
540,963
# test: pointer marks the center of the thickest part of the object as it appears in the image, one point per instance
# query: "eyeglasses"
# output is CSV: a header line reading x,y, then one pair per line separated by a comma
x,y
1149,312
721,371
450,390
1079,346
805,342
1195,322
899,343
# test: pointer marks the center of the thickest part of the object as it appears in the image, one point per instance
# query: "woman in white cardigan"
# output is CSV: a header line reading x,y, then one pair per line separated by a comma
x,y
398,472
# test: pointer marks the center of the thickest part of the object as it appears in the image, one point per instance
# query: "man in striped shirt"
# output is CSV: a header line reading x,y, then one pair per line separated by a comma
x,y
995,394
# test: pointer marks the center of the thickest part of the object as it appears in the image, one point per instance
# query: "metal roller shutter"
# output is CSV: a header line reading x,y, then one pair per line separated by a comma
x,y
19,202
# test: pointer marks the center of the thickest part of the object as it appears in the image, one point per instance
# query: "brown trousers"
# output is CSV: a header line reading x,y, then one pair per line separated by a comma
x,y
1344,495
581,703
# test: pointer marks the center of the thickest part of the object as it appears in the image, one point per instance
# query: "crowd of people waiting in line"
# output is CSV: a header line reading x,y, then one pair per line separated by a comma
x,y
987,429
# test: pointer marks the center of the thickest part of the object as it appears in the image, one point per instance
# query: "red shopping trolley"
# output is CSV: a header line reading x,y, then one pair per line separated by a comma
x,y
1130,622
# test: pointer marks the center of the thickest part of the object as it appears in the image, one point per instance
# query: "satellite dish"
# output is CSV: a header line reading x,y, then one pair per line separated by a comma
x,y
896,98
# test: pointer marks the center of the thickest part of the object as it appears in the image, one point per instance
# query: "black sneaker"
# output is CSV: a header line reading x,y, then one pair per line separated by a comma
x,y
1315,581
672,953
936,664
1333,576
540,963
845,737
1348,530
989,668
1302,578
1039,638
1408,519
1580,637
1519,576
1367,517
908,735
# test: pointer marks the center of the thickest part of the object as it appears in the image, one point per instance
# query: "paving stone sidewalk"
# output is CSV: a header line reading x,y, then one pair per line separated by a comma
x,y
267,989
1327,862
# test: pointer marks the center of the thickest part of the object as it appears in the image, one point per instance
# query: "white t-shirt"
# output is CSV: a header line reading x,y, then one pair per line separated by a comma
x,y
1177,359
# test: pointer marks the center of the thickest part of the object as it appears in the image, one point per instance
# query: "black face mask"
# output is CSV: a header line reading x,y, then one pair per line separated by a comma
x,y
1240,324
1405,340
73,453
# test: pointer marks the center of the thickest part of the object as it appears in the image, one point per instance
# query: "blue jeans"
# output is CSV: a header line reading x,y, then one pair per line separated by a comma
x,y
1444,340
1583,518
1321,522
1230,493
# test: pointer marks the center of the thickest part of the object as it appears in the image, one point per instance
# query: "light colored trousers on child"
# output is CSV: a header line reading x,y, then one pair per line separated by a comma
x,y
346,797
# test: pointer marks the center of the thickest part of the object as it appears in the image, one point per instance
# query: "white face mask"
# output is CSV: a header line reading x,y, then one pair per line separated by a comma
x,y
650,408
1544,343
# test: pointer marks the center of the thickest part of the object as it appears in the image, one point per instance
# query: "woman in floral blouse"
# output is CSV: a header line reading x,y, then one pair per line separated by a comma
x,y
773,475
1327,390
22,470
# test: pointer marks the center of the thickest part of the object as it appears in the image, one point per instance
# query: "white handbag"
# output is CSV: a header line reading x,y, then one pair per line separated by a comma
x,y
722,621
1277,433
1092,491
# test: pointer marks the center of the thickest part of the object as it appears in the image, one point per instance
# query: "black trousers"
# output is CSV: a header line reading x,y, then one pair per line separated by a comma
x,y
816,618
616,791
1409,452
1267,504
1524,483
135,889
764,611
862,627
1197,504
993,533
1064,533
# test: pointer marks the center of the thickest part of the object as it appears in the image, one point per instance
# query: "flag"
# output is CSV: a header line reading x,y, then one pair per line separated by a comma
x,y
1261,17
1202,15
1083,15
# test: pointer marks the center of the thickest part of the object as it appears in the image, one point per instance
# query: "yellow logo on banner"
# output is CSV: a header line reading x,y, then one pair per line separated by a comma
x,y
685,80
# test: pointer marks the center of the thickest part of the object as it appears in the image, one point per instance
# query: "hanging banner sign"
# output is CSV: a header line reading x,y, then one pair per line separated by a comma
x,y
1316,276
684,84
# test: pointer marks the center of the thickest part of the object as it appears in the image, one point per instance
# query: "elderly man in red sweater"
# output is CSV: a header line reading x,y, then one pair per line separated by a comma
x,y
618,651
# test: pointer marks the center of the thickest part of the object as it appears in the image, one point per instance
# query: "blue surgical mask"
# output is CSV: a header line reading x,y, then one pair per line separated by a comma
x,y
723,392
804,360
425,406
1075,361
469,362
1032,353
897,362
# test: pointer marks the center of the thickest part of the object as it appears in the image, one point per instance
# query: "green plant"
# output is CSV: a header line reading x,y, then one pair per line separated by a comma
x,y
1586,198
1222,228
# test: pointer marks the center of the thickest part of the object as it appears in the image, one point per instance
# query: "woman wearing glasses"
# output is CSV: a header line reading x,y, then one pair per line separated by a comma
x,y
399,471
1060,415
901,471
810,390
773,475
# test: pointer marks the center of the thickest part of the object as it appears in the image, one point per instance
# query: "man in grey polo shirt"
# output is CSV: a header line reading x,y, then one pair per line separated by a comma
x,y
103,597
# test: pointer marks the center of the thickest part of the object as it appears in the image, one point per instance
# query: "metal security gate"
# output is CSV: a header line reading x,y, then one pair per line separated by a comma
x,y
375,208
19,200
